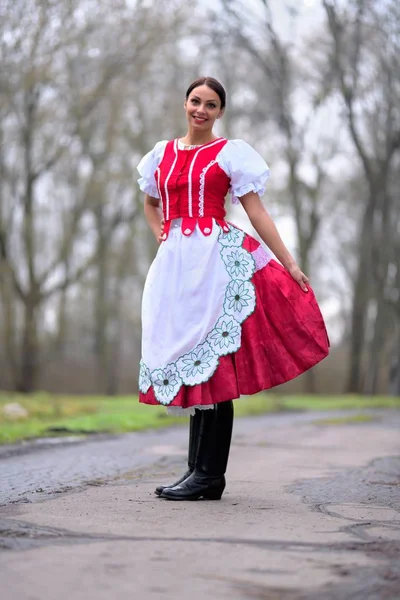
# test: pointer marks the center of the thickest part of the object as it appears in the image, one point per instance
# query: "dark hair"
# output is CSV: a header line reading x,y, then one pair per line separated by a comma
x,y
212,84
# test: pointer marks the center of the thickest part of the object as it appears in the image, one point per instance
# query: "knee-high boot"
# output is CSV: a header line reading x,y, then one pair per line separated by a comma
x,y
208,478
194,431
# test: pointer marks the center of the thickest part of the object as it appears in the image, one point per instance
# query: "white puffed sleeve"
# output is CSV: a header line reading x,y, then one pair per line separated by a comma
x,y
247,170
147,168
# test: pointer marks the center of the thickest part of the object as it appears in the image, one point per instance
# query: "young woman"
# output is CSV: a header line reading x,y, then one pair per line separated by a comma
x,y
221,317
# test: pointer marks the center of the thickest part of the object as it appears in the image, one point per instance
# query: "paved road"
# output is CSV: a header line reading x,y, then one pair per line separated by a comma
x,y
29,471
311,512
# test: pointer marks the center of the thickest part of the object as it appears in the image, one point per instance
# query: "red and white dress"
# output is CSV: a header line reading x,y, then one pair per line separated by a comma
x,y
220,316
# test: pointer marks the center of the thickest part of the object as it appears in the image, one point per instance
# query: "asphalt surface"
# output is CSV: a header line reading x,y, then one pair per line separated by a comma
x,y
311,511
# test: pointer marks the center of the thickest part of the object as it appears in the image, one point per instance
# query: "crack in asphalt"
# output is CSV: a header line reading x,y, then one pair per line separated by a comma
x,y
379,581
42,535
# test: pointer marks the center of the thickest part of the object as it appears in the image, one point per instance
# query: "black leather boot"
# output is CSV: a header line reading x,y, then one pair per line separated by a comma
x,y
194,430
208,478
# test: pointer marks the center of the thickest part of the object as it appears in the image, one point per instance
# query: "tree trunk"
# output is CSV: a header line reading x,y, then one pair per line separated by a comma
x,y
310,382
101,312
8,305
361,298
29,366
394,367
62,320
377,348
114,360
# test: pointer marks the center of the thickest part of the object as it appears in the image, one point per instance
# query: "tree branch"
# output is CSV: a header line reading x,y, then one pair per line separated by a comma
x,y
336,29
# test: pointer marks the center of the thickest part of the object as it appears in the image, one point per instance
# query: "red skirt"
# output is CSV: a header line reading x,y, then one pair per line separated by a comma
x,y
284,337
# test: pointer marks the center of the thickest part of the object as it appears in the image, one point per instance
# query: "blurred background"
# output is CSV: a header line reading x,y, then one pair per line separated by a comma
x,y
87,87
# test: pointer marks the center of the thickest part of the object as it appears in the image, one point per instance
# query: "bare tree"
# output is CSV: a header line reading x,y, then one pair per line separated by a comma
x,y
365,51
285,81
67,189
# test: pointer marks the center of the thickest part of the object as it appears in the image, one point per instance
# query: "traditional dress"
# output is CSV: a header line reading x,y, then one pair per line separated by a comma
x,y
221,317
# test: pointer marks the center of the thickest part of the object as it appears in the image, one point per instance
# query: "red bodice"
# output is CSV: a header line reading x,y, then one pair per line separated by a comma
x,y
191,183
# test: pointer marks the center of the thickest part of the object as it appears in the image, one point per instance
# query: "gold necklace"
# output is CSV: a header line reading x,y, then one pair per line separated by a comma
x,y
191,146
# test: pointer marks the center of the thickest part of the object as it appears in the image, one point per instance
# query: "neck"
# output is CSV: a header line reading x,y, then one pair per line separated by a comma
x,y
196,138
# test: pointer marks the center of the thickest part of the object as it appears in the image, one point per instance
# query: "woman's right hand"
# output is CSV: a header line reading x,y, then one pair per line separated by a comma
x,y
160,237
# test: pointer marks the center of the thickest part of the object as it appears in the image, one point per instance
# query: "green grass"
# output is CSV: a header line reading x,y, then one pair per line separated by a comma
x,y
85,414
347,420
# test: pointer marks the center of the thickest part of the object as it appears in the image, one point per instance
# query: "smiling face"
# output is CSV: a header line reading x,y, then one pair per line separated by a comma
x,y
202,107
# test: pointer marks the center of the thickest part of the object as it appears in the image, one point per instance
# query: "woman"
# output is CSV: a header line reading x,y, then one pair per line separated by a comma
x,y
220,316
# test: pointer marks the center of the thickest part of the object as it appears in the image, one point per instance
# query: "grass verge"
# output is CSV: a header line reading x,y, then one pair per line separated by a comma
x,y
346,420
51,415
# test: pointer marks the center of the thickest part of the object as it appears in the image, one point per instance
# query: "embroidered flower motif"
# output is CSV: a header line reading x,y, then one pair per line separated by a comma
x,y
225,337
144,378
166,383
234,237
240,300
239,263
198,365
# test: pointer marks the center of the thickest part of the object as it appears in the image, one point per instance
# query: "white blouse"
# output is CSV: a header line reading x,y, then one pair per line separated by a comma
x,y
246,169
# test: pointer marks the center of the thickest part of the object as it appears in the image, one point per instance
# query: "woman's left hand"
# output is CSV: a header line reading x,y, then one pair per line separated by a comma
x,y
299,276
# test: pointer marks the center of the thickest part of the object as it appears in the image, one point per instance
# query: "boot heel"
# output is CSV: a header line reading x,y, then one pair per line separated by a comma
x,y
213,495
